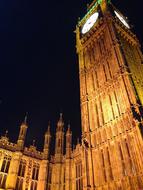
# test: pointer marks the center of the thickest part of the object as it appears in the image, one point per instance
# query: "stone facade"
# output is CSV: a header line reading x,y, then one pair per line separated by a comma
x,y
110,155
25,168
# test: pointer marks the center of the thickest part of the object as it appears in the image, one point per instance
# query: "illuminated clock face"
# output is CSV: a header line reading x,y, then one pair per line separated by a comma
x,y
90,22
122,19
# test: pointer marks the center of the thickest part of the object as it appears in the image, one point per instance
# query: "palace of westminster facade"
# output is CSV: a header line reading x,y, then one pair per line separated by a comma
x,y
110,155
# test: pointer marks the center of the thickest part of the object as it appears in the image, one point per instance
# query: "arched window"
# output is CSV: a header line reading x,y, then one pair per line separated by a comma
x,y
35,171
22,167
5,164
79,184
19,184
33,185
2,180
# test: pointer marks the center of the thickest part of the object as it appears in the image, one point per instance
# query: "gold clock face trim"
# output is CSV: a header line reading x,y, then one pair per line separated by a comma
x,y
122,19
90,22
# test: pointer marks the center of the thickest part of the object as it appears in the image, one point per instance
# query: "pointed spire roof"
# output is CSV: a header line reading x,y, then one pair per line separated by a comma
x,y
61,116
69,130
48,129
60,123
25,119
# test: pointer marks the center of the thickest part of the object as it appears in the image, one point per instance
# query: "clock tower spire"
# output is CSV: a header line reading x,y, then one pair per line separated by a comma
x,y
111,95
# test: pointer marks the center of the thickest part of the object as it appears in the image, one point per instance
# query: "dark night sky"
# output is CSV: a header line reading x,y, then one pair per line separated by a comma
x,y
38,63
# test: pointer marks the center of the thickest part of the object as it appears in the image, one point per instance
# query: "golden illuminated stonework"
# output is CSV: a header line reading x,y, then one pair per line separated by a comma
x,y
111,94
110,155
26,168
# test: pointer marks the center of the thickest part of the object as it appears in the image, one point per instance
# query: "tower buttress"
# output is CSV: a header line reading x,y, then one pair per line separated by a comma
x,y
68,168
22,134
111,95
57,170
47,142
68,142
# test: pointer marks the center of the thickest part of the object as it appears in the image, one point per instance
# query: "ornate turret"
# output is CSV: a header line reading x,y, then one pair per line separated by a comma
x,y
47,142
22,134
59,137
68,142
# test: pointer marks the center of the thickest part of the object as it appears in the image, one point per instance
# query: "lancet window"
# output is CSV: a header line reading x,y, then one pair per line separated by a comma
x,y
35,171
5,164
19,183
79,183
33,185
22,168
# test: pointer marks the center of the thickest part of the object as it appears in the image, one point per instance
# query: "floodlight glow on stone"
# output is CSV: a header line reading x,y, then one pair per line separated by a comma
x,y
122,19
90,22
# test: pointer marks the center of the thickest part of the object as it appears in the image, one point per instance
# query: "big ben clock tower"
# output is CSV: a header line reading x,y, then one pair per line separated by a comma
x,y
111,95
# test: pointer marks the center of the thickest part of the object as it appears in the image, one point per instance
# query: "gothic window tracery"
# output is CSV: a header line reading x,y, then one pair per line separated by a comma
x,y
2,180
5,164
22,168
4,170
19,184
33,185
21,174
35,171
79,183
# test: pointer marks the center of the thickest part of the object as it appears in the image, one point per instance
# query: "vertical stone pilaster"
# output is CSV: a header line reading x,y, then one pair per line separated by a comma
x,y
42,179
68,174
13,171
